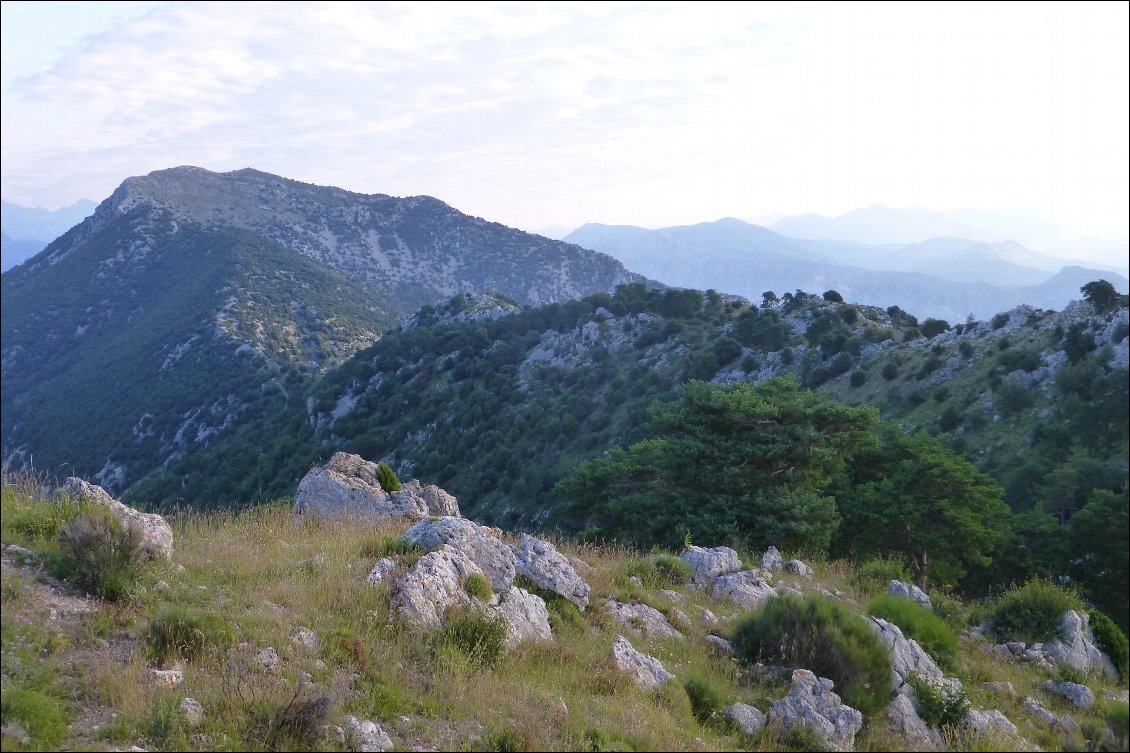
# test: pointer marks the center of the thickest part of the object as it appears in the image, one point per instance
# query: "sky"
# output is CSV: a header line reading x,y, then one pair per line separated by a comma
x,y
538,114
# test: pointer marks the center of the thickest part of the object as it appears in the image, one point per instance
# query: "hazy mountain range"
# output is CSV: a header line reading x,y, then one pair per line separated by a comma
x,y
27,230
946,278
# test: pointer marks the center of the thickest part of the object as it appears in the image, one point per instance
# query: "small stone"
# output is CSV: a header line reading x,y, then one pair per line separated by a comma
x,y
267,659
1000,688
161,586
364,735
304,638
709,617
647,671
381,571
745,718
772,560
191,710
722,645
798,567
167,677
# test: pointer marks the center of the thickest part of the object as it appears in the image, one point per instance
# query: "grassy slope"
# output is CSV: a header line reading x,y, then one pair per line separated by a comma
x,y
247,569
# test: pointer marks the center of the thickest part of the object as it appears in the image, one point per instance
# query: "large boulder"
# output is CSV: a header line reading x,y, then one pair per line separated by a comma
x,y
1075,646
991,721
540,561
710,563
156,534
647,671
747,589
746,719
525,615
904,719
642,617
348,487
492,556
772,560
908,658
909,591
812,704
1077,694
432,585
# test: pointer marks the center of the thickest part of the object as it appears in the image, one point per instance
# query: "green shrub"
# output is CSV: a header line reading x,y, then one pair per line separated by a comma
x,y
1118,719
298,725
824,637
672,570
479,636
344,647
932,633
937,707
673,697
657,571
1112,641
563,614
1033,611
184,633
42,717
386,477
478,586
101,555
889,371
876,573
706,699
858,378
510,740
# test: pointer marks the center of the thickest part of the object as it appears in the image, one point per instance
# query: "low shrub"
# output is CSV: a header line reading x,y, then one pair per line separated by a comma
x,y
563,614
479,636
388,546
937,707
101,555
386,477
343,646
1112,641
298,725
1033,611
1118,719
931,631
183,633
659,571
43,718
706,699
876,573
478,586
824,637
510,740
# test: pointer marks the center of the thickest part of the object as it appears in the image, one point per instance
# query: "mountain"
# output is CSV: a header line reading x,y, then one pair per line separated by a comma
x,y
735,257
36,223
194,304
13,251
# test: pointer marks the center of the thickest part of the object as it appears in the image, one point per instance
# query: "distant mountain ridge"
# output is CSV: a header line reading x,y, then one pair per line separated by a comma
x,y
733,256
27,230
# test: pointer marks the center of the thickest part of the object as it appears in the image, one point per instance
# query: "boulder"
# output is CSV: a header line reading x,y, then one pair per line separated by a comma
x,y
364,735
987,722
904,719
432,585
798,567
710,563
745,718
1075,646
643,618
156,534
907,658
812,704
191,711
647,671
909,591
304,638
721,645
381,571
482,546
525,616
348,487
747,589
540,561
1078,695
267,660
772,560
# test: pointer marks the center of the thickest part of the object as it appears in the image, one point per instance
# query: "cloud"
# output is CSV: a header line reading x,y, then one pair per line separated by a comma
x,y
540,113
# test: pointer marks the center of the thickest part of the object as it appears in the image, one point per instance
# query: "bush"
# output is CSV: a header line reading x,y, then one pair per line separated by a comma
x,y
563,614
1033,611
344,647
184,633
858,378
42,717
889,371
879,571
1112,641
1000,320
387,478
478,586
101,555
706,699
673,570
299,724
932,633
481,637
938,708
824,637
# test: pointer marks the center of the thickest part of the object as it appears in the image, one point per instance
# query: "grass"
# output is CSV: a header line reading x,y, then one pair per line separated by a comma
x,y
241,586
932,633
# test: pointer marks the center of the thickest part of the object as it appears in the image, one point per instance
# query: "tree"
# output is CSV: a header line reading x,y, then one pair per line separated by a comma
x,y
919,499
1100,558
934,327
1100,294
769,298
742,464
833,296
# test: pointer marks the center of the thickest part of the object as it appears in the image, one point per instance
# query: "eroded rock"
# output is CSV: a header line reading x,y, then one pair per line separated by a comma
x,y
909,591
812,704
746,719
348,487
481,545
710,563
525,615
643,618
540,561
432,585
647,671
156,534
747,589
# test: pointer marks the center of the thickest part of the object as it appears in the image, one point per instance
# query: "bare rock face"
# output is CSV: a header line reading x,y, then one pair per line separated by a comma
x,y
904,719
156,534
909,591
647,671
432,585
710,563
812,704
540,561
1075,646
525,615
643,618
348,487
481,545
747,589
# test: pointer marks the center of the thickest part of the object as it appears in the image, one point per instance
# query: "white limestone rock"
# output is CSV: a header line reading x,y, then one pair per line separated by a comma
x,y
540,561
432,585
482,546
647,671
812,704
747,589
156,533
710,563
643,618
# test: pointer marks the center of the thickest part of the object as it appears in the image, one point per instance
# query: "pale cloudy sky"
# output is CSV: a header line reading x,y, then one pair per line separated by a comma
x,y
560,114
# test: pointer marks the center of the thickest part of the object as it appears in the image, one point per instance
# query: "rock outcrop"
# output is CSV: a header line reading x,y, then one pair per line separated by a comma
x,y
772,560
348,487
156,534
481,545
648,620
1078,695
1075,646
812,704
540,561
909,591
748,589
798,567
525,615
710,563
647,671
432,585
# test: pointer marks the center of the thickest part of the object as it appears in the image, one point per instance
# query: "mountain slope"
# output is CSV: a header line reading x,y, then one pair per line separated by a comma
x,y
734,257
16,251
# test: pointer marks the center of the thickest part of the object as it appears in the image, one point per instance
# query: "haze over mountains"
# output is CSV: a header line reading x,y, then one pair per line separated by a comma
x,y
27,230
946,278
